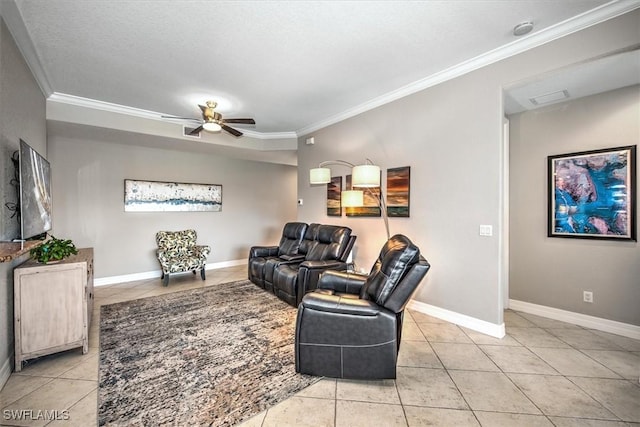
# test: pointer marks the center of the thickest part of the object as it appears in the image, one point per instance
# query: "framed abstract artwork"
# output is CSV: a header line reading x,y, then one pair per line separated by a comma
x,y
592,194
398,186
155,196
371,205
334,190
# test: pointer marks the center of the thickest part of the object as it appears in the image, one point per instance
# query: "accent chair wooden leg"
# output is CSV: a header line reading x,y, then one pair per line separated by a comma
x,y
202,273
165,279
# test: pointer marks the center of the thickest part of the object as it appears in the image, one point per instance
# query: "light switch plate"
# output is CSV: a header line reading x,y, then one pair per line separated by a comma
x,y
486,230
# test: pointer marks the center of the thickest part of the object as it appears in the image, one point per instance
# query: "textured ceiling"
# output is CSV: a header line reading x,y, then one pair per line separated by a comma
x,y
291,65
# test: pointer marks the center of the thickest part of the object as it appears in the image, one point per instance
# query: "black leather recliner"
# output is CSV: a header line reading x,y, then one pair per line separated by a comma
x,y
309,240
287,249
350,327
326,247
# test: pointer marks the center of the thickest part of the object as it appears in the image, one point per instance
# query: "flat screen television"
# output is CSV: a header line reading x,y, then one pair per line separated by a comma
x,y
35,193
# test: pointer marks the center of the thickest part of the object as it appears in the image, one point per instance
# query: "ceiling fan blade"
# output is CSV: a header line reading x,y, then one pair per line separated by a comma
x,y
241,121
196,130
231,130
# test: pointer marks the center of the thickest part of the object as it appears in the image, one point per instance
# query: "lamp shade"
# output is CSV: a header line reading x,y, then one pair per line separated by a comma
x,y
352,198
320,176
365,176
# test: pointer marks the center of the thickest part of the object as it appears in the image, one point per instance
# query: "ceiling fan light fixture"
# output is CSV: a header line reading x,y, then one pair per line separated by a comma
x,y
212,121
211,127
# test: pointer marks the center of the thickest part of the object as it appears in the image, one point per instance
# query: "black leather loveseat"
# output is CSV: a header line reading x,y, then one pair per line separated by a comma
x,y
289,274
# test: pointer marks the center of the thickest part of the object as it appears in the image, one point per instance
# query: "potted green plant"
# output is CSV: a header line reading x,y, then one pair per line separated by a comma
x,y
53,250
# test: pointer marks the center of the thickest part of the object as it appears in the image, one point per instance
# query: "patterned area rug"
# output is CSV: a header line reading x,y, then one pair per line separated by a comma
x,y
211,356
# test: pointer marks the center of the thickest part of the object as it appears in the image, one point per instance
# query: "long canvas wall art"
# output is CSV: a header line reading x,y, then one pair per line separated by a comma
x,y
155,196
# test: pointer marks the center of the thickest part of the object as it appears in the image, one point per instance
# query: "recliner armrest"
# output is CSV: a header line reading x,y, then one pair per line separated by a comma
x,y
323,264
292,258
341,281
337,304
263,251
309,272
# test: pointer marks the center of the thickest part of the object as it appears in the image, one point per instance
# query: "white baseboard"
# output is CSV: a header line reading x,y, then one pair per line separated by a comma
x,y
592,322
110,280
5,372
478,325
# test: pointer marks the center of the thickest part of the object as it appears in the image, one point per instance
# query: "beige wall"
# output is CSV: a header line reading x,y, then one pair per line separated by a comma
x,y
554,272
88,193
22,115
453,172
451,136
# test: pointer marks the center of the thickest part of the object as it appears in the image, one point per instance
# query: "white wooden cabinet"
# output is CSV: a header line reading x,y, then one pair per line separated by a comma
x,y
53,305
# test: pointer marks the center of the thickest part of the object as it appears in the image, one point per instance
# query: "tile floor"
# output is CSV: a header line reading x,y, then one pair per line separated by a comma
x,y
543,373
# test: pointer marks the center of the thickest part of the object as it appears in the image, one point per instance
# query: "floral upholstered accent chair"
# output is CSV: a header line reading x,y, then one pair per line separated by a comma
x,y
177,252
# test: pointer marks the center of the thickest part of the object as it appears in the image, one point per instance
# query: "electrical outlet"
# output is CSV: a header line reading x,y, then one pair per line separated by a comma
x,y
587,296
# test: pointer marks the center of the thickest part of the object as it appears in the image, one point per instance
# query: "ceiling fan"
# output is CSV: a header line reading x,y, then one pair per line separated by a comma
x,y
212,121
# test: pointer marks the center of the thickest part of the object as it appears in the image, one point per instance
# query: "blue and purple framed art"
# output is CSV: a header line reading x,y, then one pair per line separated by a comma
x,y
592,194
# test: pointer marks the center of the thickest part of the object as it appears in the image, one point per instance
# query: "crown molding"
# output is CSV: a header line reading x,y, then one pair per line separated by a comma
x,y
13,18
63,98
78,101
579,22
269,135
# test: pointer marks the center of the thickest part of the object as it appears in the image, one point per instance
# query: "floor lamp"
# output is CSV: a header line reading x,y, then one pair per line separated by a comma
x,y
364,176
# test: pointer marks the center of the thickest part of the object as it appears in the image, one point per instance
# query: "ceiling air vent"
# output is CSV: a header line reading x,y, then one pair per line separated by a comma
x,y
187,129
548,98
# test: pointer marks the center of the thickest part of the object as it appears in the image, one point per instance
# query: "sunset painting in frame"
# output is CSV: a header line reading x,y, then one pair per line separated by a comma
x,y
334,190
371,205
398,184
